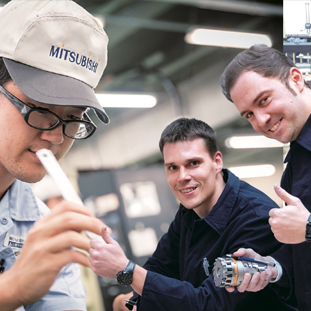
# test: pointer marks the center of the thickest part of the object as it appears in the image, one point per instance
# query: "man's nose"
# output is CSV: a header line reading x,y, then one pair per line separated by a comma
x,y
262,118
183,174
55,136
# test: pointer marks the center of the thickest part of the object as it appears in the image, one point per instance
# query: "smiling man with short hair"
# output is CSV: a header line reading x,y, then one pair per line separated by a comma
x,y
271,93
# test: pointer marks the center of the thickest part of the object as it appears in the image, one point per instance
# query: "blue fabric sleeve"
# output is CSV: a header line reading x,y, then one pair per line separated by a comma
x,y
66,293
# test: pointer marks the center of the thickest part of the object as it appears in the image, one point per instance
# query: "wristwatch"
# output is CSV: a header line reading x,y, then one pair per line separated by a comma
x,y
125,277
308,229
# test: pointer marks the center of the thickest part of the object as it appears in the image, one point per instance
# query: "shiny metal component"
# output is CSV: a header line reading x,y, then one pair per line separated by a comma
x,y
228,271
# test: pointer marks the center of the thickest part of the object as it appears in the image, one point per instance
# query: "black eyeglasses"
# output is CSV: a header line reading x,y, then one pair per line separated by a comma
x,y
46,120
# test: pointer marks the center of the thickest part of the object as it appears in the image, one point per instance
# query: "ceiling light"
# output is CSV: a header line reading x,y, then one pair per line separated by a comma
x,y
253,171
117,100
248,142
233,39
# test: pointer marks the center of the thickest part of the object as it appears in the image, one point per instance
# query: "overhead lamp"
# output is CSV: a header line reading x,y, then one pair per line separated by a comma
x,y
252,171
249,142
117,100
225,38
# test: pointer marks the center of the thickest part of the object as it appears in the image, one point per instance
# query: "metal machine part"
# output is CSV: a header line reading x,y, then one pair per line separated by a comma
x,y
228,271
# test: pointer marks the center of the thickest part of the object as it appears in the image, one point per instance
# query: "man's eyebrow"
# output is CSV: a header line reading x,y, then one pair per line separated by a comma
x,y
188,160
253,102
169,164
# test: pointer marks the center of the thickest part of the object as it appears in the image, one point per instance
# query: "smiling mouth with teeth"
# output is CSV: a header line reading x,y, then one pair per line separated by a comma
x,y
275,126
187,190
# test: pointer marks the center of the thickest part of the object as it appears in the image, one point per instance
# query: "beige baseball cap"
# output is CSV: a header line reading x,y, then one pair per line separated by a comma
x,y
55,52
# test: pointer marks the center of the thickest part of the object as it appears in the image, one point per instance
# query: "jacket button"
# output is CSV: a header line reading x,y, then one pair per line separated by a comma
x,y
4,221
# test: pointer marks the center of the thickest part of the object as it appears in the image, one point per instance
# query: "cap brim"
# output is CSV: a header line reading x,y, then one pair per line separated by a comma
x,y
54,89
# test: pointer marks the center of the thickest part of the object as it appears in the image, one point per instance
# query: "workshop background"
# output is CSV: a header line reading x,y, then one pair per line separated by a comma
x,y
148,54
119,171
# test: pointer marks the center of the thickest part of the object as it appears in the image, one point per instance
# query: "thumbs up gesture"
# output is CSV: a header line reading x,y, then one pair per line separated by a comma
x,y
289,223
107,257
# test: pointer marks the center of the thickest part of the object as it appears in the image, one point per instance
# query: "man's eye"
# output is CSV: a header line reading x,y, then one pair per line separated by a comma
x,y
75,117
194,163
172,168
248,115
263,101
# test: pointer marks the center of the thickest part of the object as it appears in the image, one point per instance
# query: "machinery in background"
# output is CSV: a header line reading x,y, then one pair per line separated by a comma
x,y
297,36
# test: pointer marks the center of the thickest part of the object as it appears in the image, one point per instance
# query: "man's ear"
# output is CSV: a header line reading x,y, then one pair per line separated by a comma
x,y
295,76
218,160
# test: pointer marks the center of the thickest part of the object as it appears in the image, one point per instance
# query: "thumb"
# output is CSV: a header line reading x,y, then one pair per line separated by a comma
x,y
239,252
284,195
106,236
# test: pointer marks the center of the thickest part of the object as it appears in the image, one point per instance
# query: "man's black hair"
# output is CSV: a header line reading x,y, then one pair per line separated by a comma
x,y
4,74
188,129
261,59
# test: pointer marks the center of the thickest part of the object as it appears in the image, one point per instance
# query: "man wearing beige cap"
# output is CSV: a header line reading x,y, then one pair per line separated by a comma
x,y
52,55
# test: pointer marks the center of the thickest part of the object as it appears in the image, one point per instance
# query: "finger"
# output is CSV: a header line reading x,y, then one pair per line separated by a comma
x,y
245,283
107,238
263,280
66,221
92,252
240,252
96,245
285,196
255,283
272,214
246,252
67,240
271,223
230,289
71,255
68,206
55,262
274,222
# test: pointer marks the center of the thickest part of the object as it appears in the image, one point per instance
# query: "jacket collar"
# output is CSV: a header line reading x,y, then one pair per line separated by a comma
x,y
219,216
21,202
304,139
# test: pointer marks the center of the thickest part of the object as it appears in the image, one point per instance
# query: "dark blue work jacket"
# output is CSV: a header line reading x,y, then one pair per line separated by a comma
x,y
176,279
296,180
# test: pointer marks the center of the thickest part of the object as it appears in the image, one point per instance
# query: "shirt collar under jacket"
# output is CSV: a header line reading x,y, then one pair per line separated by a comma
x,y
304,138
219,216
21,202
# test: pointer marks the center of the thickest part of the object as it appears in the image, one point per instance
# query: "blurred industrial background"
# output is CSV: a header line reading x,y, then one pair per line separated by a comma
x,y
297,39
147,53
119,171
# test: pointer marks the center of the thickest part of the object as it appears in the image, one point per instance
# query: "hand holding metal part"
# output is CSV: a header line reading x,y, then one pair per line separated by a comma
x,y
254,272
229,271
